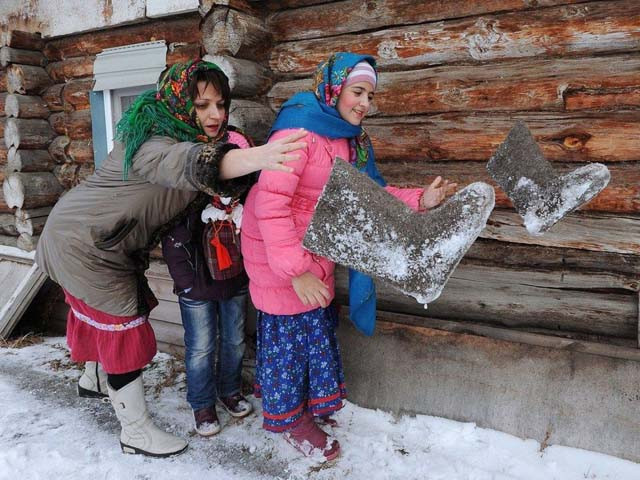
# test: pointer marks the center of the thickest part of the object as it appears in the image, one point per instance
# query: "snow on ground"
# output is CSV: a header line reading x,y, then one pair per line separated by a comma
x,y
47,432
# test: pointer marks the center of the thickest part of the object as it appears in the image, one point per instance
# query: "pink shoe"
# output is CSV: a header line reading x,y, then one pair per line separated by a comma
x,y
307,437
326,420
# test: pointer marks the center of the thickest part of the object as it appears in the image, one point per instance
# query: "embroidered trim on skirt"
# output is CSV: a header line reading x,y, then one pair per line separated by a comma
x,y
298,367
120,344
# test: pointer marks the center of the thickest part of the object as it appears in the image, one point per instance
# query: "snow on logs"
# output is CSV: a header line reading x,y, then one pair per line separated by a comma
x,y
31,190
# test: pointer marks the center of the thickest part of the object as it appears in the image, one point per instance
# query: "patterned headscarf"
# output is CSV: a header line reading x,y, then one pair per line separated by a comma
x,y
167,111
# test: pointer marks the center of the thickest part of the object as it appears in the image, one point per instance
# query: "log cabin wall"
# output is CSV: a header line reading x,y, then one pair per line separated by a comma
x,y
454,77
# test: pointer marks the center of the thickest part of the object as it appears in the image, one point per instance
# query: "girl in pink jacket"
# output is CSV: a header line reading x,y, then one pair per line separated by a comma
x,y
299,371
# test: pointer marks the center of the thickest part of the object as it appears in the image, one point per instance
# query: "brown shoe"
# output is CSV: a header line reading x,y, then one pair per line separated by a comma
x,y
207,423
236,405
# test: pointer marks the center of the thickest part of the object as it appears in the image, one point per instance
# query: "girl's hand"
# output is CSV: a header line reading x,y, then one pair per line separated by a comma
x,y
435,193
272,155
311,290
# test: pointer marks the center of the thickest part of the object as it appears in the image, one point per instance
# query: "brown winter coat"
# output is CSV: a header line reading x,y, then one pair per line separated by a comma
x,y
96,241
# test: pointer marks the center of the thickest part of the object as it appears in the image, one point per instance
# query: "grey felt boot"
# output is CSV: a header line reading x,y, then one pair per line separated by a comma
x,y
139,433
539,194
93,382
358,224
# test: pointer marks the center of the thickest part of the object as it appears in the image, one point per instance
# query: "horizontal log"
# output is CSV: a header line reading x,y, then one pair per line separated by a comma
x,y
58,149
601,99
28,133
181,52
185,27
3,126
31,222
56,120
246,78
67,175
25,57
74,124
313,22
31,190
27,243
8,224
622,195
584,231
27,79
75,95
3,100
21,39
4,153
587,28
3,80
53,97
247,6
8,240
76,67
252,117
515,300
546,84
236,34
536,257
25,106
29,161
80,151
86,169
569,137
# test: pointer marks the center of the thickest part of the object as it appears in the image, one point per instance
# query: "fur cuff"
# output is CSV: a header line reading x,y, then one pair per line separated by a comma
x,y
203,171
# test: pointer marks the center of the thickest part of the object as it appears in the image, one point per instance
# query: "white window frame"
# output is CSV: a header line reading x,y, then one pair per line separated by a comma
x,y
113,108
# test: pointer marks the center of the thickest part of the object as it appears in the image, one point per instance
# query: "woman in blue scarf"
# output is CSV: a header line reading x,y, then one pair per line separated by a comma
x,y
299,371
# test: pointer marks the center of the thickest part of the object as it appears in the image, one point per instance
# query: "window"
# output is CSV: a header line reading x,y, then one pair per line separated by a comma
x,y
121,74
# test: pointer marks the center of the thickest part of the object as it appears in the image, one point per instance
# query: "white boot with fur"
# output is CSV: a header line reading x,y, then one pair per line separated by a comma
x,y
93,382
139,433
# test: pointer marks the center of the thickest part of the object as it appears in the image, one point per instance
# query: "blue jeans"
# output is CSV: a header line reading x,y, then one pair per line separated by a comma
x,y
201,319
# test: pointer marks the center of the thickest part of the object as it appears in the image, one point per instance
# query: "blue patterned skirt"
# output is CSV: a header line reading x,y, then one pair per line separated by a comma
x,y
298,366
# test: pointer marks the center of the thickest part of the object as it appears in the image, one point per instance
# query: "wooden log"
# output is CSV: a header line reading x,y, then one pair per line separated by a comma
x,y
3,126
77,124
31,190
25,106
29,161
246,78
8,224
275,5
569,137
75,95
28,133
67,174
56,120
27,243
185,27
510,86
622,195
76,67
586,231
181,52
8,240
241,5
10,55
86,169
3,101
236,34
53,97
58,149
512,299
31,222
600,99
21,39
3,80
4,154
582,29
80,151
252,117
27,79
312,22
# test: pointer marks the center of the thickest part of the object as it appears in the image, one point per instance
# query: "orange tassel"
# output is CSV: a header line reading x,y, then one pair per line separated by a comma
x,y
222,254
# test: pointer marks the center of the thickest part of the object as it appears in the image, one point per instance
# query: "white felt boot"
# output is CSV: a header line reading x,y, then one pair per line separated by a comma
x,y
139,433
93,382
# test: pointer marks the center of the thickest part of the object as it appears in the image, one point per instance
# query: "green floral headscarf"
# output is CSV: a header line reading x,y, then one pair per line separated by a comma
x,y
167,111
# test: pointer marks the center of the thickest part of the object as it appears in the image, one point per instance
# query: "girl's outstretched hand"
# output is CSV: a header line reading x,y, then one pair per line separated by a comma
x,y
311,290
435,193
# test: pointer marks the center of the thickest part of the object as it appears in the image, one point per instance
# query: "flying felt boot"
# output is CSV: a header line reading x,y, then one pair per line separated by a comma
x,y
539,194
358,224
93,382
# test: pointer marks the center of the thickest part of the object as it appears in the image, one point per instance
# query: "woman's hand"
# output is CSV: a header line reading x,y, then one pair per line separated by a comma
x,y
435,193
311,290
270,156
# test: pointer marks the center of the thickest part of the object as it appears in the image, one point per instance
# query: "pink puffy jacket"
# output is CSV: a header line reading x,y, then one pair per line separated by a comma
x,y
275,218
